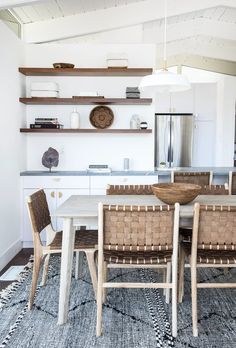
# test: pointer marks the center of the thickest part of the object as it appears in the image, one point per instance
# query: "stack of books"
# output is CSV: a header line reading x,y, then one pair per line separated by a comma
x,y
132,93
48,122
98,168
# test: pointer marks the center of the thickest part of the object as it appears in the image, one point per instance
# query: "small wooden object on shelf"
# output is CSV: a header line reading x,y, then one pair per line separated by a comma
x,y
101,117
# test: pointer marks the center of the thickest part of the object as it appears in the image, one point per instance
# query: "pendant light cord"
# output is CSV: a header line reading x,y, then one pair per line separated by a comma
x,y
165,30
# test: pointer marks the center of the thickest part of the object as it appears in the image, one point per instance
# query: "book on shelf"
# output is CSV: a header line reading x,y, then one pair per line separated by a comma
x,y
46,121
45,125
98,168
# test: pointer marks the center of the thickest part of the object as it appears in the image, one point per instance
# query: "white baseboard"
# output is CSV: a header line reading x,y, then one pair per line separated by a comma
x,y
8,255
29,244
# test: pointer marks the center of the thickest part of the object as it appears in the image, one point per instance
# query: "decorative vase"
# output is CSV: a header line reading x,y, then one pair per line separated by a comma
x,y
74,119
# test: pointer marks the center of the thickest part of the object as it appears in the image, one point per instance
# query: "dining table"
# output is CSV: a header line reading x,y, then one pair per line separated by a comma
x,y
83,210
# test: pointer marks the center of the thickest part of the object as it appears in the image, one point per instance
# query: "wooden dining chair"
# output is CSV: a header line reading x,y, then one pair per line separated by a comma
x,y
232,183
129,190
85,241
198,178
186,232
137,237
213,245
136,190
214,190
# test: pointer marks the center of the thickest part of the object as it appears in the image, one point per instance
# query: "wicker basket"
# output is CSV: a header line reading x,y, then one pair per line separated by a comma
x,y
176,192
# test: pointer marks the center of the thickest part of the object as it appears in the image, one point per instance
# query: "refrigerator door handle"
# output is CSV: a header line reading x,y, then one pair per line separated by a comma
x,y
172,142
169,139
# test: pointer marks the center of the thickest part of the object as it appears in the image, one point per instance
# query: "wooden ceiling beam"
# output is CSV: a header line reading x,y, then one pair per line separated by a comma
x,y
204,63
14,3
112,18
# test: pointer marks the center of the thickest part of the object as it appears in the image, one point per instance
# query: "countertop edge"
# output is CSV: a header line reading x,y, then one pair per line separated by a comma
x,y
161,172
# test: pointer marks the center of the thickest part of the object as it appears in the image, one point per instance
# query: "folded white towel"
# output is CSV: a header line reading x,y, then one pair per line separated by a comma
x,y
44,86
44,94
115,63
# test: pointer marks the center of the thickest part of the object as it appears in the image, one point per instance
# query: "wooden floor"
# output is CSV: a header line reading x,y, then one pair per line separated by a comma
x,y
20,259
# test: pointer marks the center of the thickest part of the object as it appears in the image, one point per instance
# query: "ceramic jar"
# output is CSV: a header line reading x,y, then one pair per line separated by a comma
x,y
74,119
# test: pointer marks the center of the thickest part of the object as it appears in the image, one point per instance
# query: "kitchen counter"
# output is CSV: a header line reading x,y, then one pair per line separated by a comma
x,y
161,172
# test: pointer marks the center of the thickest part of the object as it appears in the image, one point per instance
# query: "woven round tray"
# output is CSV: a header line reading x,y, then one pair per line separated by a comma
x,y
63,65
101,117
176,192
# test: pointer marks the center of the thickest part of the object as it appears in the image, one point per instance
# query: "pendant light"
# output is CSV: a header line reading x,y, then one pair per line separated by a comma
x,y
164,80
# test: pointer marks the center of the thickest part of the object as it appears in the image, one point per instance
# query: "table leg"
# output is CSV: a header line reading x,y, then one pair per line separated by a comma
x,y
66,269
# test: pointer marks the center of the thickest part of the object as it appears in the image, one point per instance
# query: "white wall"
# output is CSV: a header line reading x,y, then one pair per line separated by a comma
x,y
206,99
225,130
80,150
12,149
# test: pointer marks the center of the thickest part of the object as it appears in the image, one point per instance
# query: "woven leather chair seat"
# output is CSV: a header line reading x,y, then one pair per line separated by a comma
x,y
84,239
212,256
138,257
129,190
197,178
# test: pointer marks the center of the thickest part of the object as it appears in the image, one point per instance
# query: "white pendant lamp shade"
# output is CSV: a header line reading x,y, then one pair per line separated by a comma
x,y
164,81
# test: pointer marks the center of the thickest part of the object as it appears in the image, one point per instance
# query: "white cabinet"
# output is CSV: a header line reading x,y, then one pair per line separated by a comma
x,y
203,144
98,184
57,190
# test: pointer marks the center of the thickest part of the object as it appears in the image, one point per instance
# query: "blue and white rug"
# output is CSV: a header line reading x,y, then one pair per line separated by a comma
x,y
132,318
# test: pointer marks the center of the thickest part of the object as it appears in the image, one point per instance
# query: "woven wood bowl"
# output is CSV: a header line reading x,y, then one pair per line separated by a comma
x,y
176,192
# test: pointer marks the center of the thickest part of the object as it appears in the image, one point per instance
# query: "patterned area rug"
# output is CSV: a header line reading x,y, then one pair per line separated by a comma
x,y
132,318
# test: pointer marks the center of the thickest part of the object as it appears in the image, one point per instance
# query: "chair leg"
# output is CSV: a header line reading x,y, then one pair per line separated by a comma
x,y
99,297
45,270
105,270
78,264
181,275
164,280
92,268
36,268
174,302
168,280
194,299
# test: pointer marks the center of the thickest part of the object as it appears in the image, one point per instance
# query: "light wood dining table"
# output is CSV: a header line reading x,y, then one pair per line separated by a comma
x,y
83,210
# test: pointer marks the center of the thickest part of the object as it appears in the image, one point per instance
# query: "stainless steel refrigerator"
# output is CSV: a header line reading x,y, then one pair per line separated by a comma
x,y
173,140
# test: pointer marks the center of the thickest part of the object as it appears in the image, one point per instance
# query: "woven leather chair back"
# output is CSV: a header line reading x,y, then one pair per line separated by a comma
x,y
129,190
198,178
233,183
39,212
214,190
137,228
216,228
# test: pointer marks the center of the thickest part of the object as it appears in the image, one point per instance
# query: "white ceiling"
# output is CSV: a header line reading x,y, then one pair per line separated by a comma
x,y
51,9
203,27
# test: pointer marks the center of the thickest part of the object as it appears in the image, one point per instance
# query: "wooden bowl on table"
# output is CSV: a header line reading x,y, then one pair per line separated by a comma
x,y
171,193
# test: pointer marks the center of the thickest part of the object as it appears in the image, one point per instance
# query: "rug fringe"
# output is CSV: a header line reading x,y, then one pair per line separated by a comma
x,y
9,291
6,294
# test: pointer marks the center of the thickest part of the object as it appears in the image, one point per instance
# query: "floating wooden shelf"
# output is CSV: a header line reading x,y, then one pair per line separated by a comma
x,y
86,71
85,101
68,130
